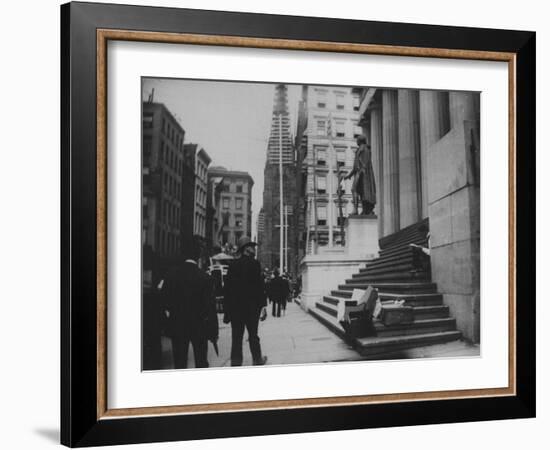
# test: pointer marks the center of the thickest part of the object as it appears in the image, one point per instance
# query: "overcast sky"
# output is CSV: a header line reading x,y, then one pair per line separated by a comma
x,y
230,120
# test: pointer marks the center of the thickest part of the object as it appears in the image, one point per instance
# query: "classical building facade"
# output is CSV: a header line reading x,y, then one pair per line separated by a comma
x,y
232,202
326,142
280,163
425,154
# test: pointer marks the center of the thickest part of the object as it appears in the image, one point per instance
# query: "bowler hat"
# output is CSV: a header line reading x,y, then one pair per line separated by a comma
x,y
245,241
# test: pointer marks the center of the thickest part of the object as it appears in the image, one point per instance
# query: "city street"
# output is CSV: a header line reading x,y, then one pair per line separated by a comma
x,y
295,338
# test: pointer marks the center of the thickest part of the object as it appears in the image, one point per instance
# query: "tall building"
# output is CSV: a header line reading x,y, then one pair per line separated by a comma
x,y
166,193
300,143
260,224
234,213
202,161
326,139
215,187
188,204
280,152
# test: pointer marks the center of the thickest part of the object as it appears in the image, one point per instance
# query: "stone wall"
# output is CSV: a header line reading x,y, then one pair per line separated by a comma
x,y
454,211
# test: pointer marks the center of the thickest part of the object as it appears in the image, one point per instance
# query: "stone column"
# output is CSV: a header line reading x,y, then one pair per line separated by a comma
x,y
390,177
410,195
377,163
433,118
462,106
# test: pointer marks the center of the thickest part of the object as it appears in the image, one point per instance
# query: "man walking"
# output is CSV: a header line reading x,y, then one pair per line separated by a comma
x,y
278,292
188,296
245,302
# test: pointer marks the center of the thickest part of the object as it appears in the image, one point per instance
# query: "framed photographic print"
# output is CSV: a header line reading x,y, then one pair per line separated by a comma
x,y
278,224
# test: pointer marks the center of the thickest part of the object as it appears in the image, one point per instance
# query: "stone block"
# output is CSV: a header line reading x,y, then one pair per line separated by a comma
x,y
455,267
447,165
465,309
362,236
440,222
323,273
461,215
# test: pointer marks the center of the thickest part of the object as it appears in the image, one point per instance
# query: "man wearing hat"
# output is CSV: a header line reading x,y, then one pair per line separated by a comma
x,y
245,302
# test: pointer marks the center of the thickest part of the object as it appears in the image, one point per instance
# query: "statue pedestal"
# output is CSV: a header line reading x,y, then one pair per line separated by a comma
x,y
362,236
330,267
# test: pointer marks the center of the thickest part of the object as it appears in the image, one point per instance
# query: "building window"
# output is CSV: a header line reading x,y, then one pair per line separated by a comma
x,y
321,184
163,125
321,157
340,101
239,188
356,102
147,148
321,99
322,127
225,218
238,221
321,215
238,203
340,129
341,157
148,120
225,203
357,130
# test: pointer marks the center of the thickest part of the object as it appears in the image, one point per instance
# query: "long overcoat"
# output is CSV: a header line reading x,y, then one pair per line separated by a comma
x,y
188,294
244,288
363,181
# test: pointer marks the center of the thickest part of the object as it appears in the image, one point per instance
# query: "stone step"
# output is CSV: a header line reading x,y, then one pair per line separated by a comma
x,y
420,312
331,310
411,237
397,266
329,321
430,312
379,346
416,327
380,263
335,300
397,277
431,299
424,288
341,293
400,249
388,241
410,229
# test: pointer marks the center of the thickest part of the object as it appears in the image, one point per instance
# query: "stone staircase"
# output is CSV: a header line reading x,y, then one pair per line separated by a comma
x,y
393,276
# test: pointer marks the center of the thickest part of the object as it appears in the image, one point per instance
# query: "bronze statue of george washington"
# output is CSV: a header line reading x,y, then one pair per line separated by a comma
x,y
364,187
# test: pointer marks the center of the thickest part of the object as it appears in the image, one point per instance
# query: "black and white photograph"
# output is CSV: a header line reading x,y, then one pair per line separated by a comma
x,y
299,223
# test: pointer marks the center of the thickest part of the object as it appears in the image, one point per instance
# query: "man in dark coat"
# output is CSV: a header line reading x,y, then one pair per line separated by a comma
x,y
364,187
245,302
278,292
188,297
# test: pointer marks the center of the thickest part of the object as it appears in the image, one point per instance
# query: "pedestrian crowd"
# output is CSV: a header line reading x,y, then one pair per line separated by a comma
x,y
188,302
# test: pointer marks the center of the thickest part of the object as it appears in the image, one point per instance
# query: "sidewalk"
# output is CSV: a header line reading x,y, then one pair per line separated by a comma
x,y
295,338
298,338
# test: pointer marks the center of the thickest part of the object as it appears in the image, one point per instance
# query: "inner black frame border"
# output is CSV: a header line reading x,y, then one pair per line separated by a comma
x,y
79,423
